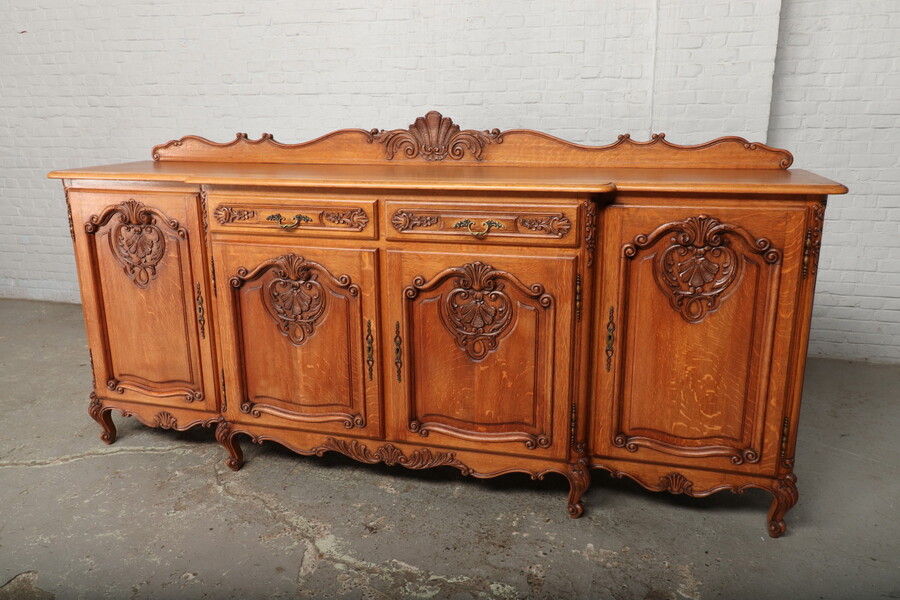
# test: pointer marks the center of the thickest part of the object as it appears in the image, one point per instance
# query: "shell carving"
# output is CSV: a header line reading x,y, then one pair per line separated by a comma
x,y
477,311
139,247
296,295
295,299
435,137
700,267
136,240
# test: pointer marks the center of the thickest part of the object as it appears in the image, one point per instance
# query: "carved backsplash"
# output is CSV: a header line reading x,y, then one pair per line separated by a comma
x,y
436,139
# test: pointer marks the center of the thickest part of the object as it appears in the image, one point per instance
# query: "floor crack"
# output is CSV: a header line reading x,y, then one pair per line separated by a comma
x,y
61,460
321,545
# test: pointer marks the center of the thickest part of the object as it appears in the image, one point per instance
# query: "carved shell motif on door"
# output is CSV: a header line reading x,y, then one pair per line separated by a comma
x,y
136,240
297,295
478,311
700,267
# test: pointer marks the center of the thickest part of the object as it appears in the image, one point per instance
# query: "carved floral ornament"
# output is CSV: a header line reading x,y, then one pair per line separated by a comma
x,y
555,225
390,455
478,311
136,240
404,220
700,267
296,296
228,214
354,218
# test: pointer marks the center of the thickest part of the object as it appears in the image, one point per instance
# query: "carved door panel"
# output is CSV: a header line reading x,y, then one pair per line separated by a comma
x,y
695,333
141,266
482,349
298,336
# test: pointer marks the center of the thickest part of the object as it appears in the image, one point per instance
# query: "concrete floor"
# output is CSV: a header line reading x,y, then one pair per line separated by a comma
x,y
158,515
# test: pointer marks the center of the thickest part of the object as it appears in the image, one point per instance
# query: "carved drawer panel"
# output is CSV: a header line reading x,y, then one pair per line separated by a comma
x,y
293,216
557,224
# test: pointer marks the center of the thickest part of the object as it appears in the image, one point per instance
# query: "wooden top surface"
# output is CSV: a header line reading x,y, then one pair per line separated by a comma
x,y
467,177
434,153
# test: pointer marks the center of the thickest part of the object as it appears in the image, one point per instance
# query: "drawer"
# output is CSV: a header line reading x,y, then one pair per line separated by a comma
x,y
556,224
290,215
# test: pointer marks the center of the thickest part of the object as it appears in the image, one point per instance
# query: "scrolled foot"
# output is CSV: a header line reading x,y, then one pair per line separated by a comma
x,y
226,437
579,480
103,416
784,497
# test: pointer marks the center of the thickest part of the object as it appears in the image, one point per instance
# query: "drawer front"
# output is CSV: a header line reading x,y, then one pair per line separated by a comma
x,y
296,216
556,224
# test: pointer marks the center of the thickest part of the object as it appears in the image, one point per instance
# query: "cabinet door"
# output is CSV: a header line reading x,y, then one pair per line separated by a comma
x,y
140,260
697,310
298,335
482,350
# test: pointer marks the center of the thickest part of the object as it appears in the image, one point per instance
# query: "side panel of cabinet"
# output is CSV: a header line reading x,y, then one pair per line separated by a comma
x,y
299,334
145,296
482,348
698,309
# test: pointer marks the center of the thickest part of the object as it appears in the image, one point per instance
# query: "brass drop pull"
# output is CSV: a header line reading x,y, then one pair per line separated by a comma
x,y
488,225
298,218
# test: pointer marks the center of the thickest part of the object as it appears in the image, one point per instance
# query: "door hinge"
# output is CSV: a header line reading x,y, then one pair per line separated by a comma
x,y
224,397
93,376
204,215
578,297
201,320
69,211
785,433
574,425
370,349
398,351
610,338
807,246
212,275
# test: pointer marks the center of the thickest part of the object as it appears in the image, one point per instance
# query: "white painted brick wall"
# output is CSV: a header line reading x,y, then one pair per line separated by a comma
x,y
836,106
714,65
85,83
104,81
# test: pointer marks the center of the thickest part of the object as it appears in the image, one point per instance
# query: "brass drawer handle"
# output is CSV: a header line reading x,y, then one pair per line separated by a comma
x,y
488,225
298,218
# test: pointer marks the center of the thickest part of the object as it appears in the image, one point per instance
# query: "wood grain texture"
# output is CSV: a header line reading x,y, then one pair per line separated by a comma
x,y
490,301
469,177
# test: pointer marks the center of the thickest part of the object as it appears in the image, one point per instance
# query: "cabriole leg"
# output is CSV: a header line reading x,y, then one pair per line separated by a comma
x,y
579,479
104,417
784,497
226,437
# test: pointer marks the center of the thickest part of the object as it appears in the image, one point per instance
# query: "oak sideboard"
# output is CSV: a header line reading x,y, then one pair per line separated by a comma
x,y
494,301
